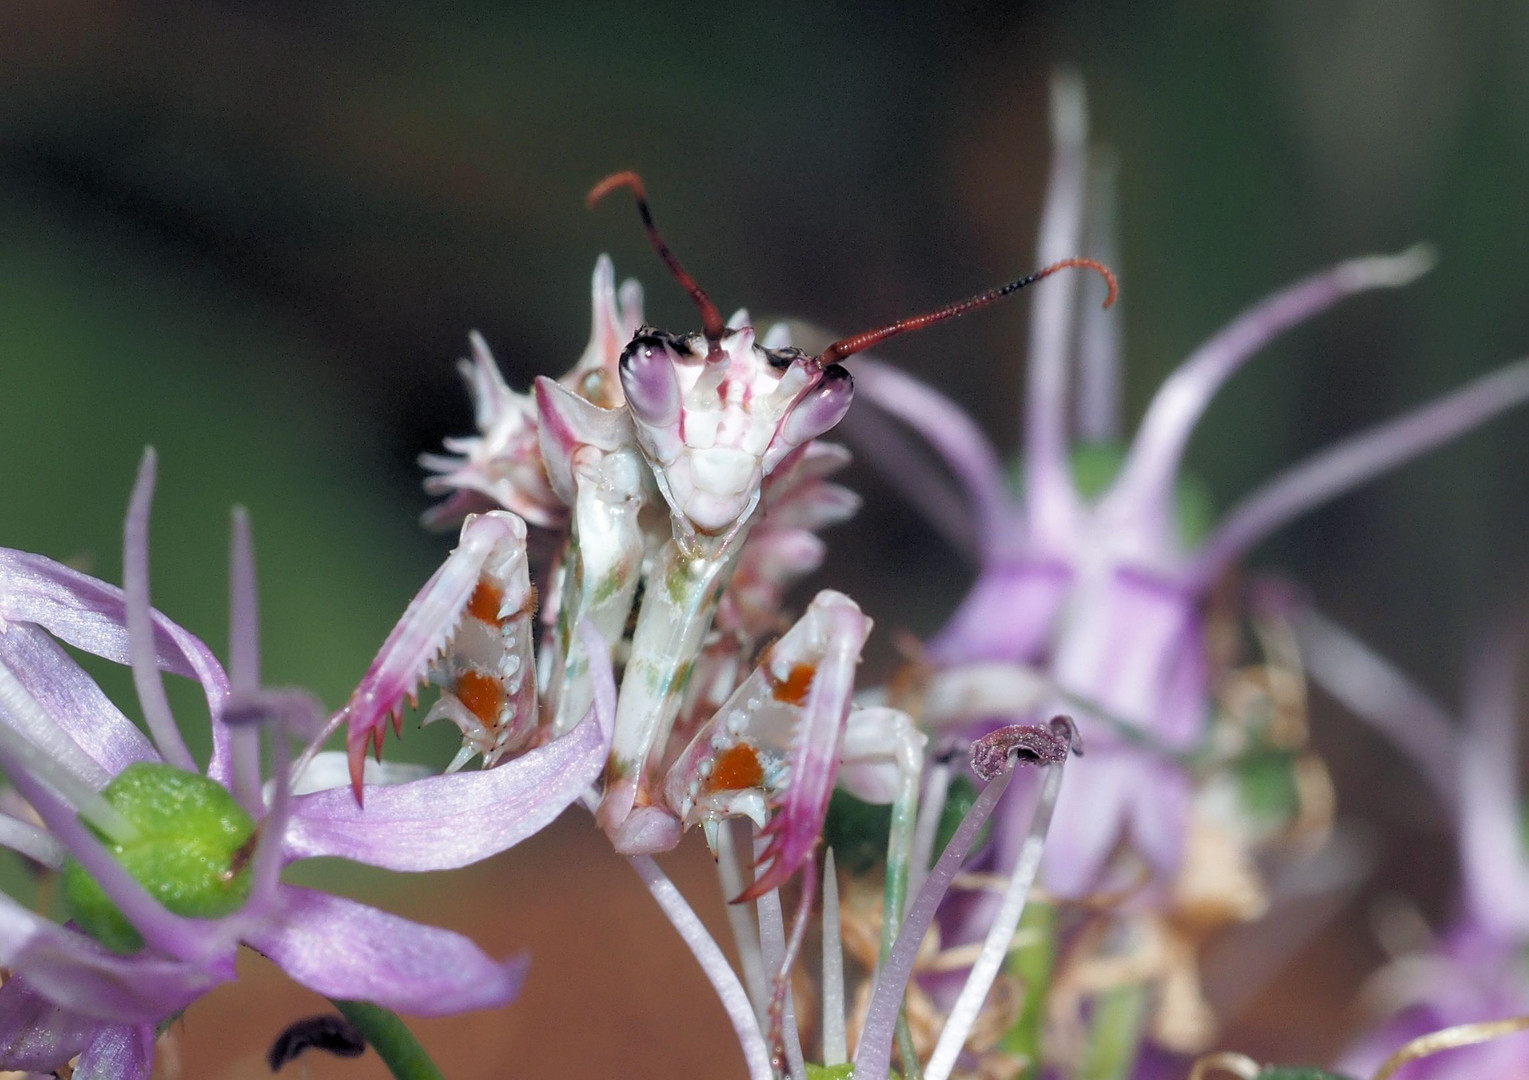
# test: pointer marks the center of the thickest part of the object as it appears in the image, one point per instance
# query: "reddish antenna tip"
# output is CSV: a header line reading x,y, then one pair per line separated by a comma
x,y
625,178
1087,264
711,319
846,347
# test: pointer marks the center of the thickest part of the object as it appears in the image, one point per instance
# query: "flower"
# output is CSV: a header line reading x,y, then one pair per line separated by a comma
x,y
154,928
1475,973
1090,592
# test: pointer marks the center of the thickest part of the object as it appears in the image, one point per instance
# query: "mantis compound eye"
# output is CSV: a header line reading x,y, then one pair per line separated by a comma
x,y
647,377
821,408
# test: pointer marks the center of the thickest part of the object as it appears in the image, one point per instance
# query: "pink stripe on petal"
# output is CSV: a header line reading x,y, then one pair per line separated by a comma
x,y
343,949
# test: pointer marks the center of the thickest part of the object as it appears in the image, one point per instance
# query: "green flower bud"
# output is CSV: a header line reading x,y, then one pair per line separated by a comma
x,y
192,852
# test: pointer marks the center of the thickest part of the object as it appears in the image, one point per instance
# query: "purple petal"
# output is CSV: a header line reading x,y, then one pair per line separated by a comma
x,y
91,615
73,971
244,656
74,704
140,621
874,1054
1356,460
1009,614
1092,812
1137,651
1491,834
343,949
1099,338
37,1035
1145,486
459,818
958,441
1050,498
119,1052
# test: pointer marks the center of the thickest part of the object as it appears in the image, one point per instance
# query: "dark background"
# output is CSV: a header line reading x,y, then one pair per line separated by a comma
x,y
256,235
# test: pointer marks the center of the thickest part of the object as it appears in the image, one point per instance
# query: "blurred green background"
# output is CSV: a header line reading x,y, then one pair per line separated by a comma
x,y
255,235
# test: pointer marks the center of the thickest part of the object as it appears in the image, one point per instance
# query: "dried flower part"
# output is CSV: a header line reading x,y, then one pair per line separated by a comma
x,y
1030,742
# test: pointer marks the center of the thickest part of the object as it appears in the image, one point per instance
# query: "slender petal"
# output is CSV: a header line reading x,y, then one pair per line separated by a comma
x,y
1148,476
1491,838
452,820
724,980
873,1057
1355,460
964,1013
907,468
92,615
1379,693
835,1049
244,656
140,627
1099,339
960,443
1050,499
75,708
455,819
36,844
31,745
343,949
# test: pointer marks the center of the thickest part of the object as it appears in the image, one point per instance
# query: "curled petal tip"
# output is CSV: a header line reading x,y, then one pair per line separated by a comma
x,y
1021,744
1391,271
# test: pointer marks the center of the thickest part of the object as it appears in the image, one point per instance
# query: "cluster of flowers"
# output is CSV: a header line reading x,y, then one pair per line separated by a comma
x,y
679,483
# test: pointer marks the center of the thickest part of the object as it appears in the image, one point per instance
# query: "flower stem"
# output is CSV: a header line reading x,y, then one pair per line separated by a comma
x,y
1114,1037
385,1033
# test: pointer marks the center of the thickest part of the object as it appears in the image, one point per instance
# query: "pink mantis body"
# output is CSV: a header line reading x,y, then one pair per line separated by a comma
x,y
686,469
